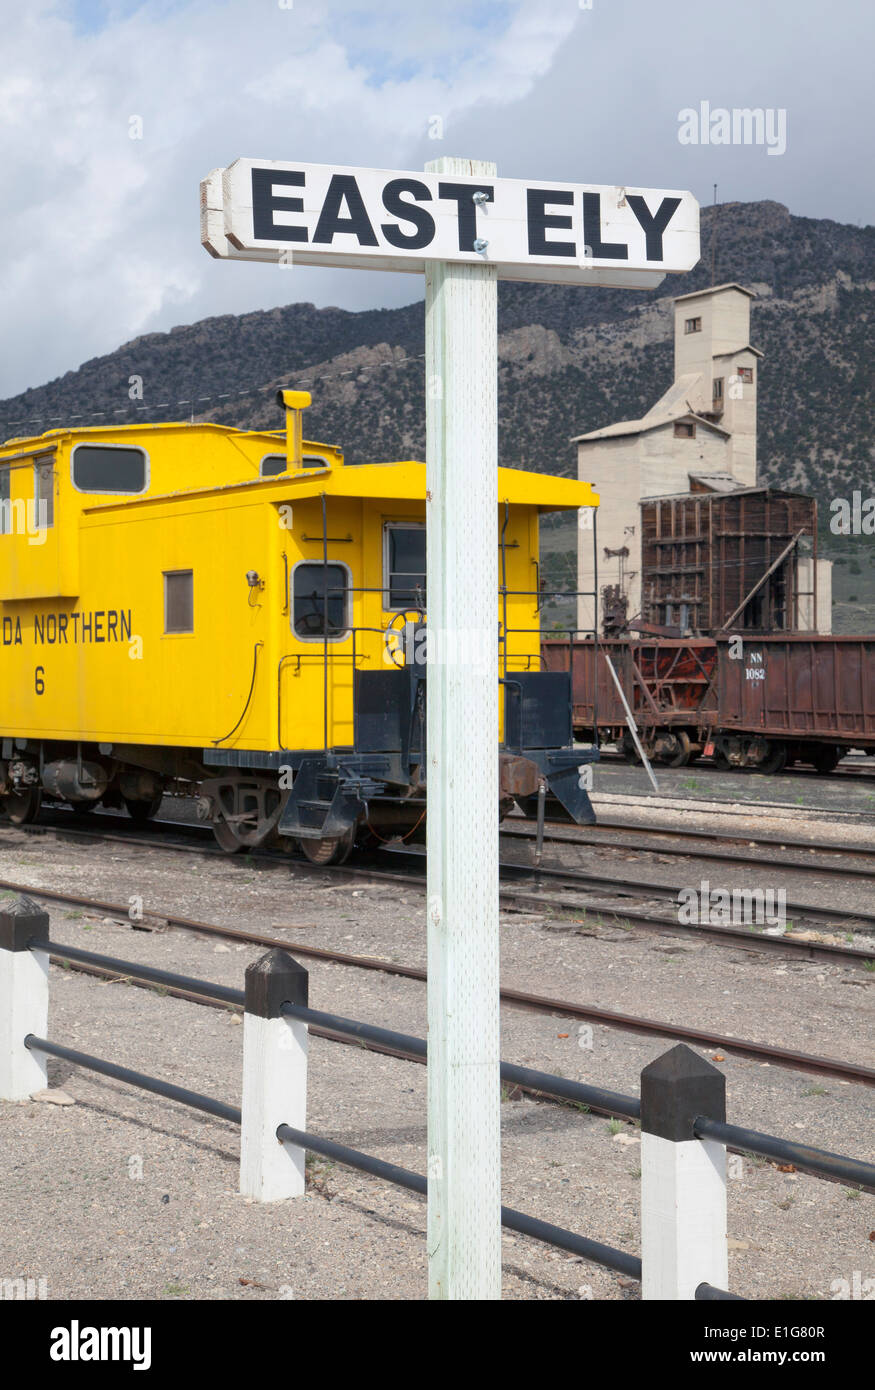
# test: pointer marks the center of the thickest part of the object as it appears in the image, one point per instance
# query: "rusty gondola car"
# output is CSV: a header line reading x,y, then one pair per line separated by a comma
x,y
752,701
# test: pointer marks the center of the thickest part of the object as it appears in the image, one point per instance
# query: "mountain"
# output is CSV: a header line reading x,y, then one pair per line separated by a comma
x,y
570,360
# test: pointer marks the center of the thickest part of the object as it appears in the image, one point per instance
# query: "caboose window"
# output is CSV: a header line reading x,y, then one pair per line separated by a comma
x,y
319,590
178,601
44,493
272,464
403,566
109,468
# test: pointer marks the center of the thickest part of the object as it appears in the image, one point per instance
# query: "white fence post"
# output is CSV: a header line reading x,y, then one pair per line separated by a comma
x,y
274,1079
24,998
683,1179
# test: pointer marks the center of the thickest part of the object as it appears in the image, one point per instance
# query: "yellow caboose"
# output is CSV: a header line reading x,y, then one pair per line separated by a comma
x,y
242,614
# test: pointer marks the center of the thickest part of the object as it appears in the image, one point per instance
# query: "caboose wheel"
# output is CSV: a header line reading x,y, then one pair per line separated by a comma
x,y
245,811
329,851
142,811
225,837
23,806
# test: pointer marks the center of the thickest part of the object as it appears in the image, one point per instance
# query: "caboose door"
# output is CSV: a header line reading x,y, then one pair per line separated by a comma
x,y
315,678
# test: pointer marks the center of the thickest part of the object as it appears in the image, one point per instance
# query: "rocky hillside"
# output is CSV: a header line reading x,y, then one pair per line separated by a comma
x,y
571,360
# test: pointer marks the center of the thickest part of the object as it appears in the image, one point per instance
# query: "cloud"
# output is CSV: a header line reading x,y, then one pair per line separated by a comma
x,y
101,229
101,235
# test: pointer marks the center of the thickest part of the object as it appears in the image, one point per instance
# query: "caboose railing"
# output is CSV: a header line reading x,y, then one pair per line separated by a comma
x,y
504,631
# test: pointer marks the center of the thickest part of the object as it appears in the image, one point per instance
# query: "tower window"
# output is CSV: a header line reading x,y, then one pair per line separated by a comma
x,y
684,429
745,374
717,388
693,326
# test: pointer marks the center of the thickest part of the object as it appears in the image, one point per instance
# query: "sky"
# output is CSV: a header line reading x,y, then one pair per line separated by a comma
x,y
101,230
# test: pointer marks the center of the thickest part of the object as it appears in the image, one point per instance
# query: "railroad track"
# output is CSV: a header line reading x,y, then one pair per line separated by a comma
x,y
600,841
709,806
563,1008
857,770
527,895
518,827
573,878
688,833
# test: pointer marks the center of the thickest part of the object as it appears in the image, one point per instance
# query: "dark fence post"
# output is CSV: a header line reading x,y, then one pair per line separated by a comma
x,y
683,1179
274,1079
24,998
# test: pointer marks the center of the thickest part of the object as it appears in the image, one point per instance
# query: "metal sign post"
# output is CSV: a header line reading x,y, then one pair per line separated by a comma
x,y
464,229
464,1139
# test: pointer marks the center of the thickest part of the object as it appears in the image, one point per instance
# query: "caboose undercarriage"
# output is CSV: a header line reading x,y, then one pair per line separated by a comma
x,y
326,800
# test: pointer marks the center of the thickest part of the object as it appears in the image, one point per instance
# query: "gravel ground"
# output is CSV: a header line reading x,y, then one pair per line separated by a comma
x,y
801,792
120,1195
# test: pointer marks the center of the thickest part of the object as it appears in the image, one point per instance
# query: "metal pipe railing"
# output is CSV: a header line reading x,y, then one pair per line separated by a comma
x,y
707,1292
821,1162
545,1082
222,993
532,1226
818,1161
157,1087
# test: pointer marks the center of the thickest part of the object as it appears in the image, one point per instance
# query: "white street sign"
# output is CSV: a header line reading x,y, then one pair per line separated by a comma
x,y
379,219
465,229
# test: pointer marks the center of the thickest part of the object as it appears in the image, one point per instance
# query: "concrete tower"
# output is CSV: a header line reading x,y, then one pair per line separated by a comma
x,y
712,340
703,426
